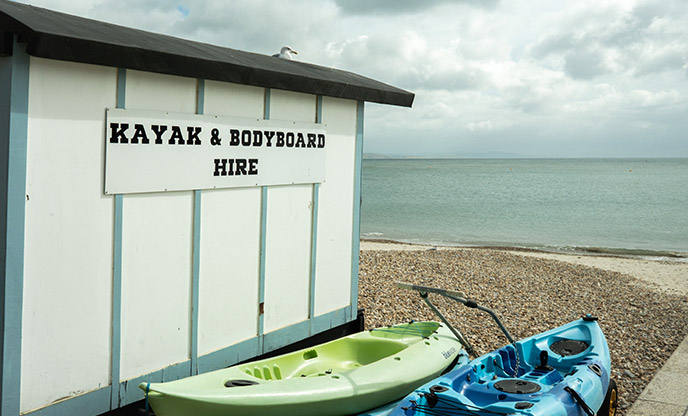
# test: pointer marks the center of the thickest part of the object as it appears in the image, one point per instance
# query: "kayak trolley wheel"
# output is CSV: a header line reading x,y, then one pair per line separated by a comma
x,y
517,386
240,383
610,401
566,347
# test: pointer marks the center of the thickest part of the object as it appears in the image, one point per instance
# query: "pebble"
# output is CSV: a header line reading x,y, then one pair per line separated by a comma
x,y
530,295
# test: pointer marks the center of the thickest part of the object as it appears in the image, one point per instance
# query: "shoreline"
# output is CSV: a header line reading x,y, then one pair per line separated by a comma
x,y
667,275
645,254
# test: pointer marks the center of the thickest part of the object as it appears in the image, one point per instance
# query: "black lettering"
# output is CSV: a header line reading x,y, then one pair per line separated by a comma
x,y
240,167
311,140
215,137
192,136
245,137
257,138
280,139
159,131
176,134
290,139
268,137
235,167
234,137
321,141
140,133
117,133
300,142
220,167
253,166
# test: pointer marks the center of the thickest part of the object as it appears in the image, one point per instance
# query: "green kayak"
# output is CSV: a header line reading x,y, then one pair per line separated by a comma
x,y
341,377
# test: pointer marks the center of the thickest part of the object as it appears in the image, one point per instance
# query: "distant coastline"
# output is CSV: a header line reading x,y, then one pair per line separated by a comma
x,y
501,155
652,255
486,155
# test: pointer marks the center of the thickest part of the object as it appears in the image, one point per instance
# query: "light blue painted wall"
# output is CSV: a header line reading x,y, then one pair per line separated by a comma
x,y
314,227
357,208
196,255
117,269
263,243
14,94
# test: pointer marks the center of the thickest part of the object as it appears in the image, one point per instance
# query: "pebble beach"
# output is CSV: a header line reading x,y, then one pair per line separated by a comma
x,y
642,305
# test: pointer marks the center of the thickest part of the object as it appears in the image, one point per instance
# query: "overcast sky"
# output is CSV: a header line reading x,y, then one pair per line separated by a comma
x,y
545,78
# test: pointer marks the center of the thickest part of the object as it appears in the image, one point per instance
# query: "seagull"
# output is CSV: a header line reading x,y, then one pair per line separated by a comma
x,y
285,53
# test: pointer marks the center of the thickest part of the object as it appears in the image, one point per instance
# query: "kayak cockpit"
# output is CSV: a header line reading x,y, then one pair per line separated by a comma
x,y
343,356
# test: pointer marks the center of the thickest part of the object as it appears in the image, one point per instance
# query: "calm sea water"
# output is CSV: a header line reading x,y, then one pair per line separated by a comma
x,y
624,206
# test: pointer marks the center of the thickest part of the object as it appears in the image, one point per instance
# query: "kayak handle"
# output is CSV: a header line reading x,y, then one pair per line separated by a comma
x,y
423,291
426,289
461,298
473,304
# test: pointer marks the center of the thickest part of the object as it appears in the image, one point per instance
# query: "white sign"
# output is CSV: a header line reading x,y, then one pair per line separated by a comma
x,y
148,151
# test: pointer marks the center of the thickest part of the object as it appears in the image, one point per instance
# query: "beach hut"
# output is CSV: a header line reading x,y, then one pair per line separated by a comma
x,y
168,207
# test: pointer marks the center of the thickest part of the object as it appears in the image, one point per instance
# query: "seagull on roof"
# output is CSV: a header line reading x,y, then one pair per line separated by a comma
x,y
285,53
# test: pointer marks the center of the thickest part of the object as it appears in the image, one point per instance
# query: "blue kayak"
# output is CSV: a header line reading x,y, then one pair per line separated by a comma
x,y
385,410
562,372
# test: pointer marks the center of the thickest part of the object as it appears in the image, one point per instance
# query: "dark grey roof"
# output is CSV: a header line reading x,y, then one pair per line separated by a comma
x,y
60,36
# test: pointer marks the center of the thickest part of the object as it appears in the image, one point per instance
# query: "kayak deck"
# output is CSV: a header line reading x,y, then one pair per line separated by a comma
x,y
564,371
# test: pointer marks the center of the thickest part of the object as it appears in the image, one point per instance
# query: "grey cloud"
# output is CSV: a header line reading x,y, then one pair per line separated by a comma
x,y
639,42
445,79
407,62
395,7
235,24
666,60
524,99
553,44
160,16
646,12
603,30
585,64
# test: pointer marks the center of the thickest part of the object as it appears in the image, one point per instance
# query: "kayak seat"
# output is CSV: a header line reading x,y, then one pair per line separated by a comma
x,y
346,356
343,356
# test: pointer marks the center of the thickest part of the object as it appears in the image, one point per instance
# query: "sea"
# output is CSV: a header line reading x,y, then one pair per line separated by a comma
x,y
633,207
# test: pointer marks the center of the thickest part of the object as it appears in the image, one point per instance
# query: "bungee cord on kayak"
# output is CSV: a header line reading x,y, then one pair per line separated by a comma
x,y
446,407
